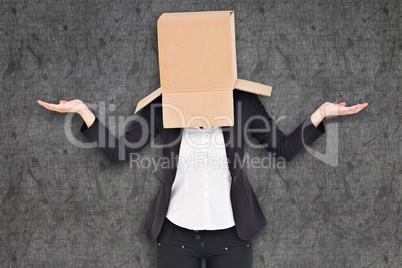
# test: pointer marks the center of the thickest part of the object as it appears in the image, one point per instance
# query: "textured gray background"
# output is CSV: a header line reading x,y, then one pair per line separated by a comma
x,y
65,206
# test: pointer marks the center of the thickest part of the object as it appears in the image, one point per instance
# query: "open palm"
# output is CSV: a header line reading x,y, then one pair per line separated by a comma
x,y
72,106
330,109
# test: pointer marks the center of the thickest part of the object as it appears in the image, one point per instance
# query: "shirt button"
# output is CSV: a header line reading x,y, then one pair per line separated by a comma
x,y
197,236
234,178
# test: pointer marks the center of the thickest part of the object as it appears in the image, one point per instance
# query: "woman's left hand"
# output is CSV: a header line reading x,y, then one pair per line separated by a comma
x,y
330,109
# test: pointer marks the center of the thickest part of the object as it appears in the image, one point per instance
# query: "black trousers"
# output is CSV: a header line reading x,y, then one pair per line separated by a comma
x,y
177,247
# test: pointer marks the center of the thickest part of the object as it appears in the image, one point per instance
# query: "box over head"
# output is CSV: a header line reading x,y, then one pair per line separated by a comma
x,y
198,71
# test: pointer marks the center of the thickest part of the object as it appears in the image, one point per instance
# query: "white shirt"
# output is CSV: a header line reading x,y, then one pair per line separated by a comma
x,y
200,196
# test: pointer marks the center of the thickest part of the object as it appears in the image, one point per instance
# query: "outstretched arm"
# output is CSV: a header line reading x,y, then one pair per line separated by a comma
x,y
136,137
74,106
288,146
330,109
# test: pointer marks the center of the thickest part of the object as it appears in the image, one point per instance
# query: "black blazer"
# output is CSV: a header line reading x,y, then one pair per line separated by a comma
x,y
249,116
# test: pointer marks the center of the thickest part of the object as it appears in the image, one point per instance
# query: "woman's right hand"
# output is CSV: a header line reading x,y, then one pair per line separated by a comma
x,y
73,106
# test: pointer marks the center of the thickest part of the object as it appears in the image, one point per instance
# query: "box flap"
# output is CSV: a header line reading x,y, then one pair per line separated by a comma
x,y
253,87
145,101
197,109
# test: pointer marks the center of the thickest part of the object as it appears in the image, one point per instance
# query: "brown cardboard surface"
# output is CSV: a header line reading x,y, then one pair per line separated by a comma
x,y
194,15
198,109
196,53
253,87
198,69
145,101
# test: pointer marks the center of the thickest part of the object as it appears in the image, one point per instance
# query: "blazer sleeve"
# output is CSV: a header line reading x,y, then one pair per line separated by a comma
x,y
263,128
137,135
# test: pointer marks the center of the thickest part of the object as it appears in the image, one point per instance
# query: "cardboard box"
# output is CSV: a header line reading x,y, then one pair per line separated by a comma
x,y
198,71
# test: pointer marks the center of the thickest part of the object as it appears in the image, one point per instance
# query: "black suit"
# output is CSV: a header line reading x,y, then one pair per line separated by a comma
x,y
249,218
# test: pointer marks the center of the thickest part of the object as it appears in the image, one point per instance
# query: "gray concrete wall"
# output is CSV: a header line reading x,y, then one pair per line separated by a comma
x,y
65,206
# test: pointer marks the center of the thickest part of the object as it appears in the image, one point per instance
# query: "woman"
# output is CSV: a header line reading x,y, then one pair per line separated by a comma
x,y
204,212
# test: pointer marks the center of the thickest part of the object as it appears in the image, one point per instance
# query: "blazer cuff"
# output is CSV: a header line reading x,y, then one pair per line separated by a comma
x,y
311,132
92,132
